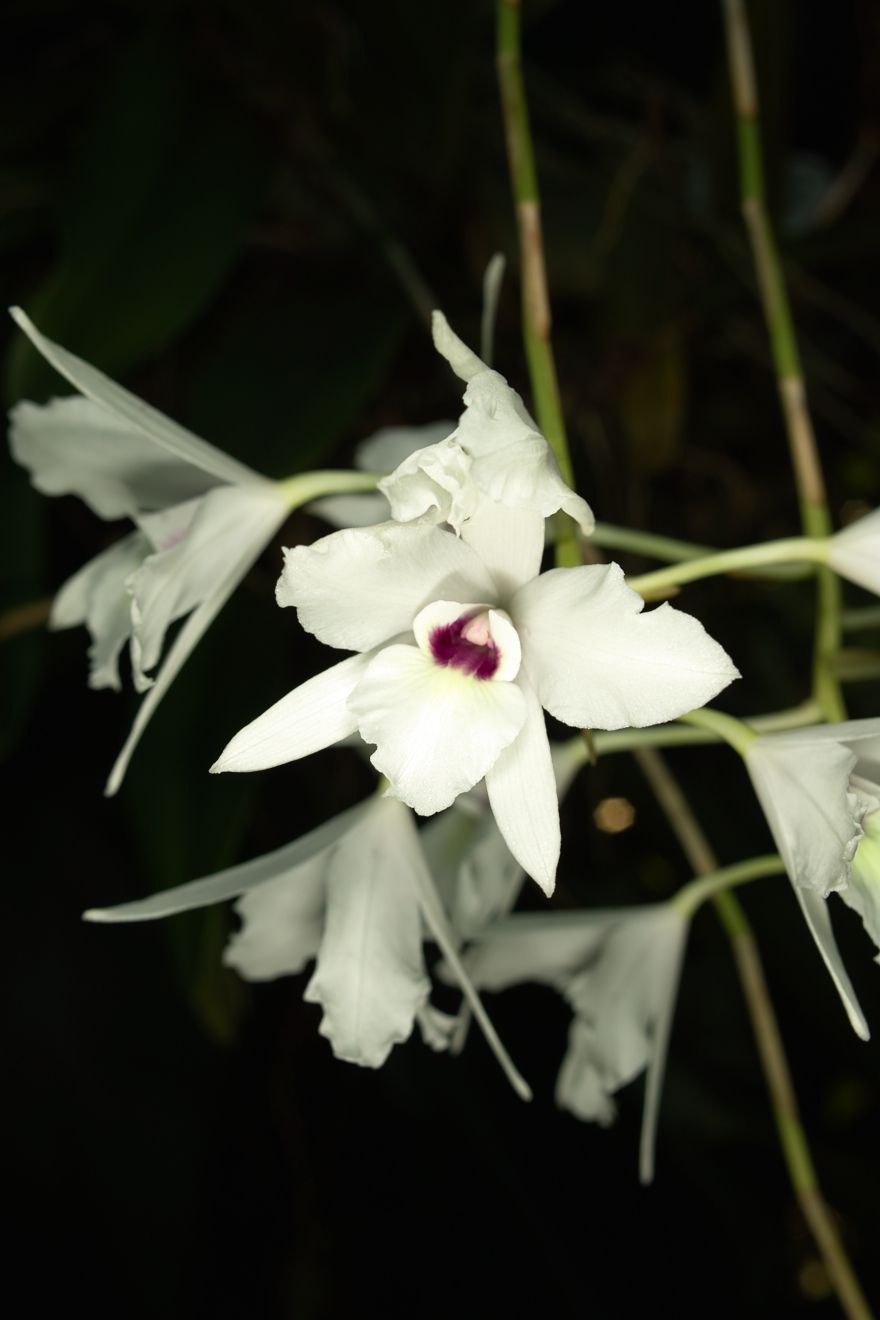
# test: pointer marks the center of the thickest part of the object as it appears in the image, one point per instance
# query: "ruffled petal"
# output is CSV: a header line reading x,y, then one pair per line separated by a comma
x,y
522,792
97,597
437,730
813,816
164,433
313,716
75,447
234,881
432,485
370,975
193,554
598,662
357,588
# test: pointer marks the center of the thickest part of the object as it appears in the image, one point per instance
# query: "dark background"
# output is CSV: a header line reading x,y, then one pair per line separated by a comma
x,y
237,209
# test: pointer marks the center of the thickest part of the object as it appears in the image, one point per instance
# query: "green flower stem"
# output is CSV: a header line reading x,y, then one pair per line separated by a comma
x,y
688,899
792,549
792,1137
536,318
311,485
731,730
807,467
610,537
697,732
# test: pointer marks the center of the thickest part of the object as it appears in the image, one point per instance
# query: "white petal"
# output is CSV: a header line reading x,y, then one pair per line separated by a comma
x,y
387,448
234,880
488,882
282,924
355,589
814,818
432,485
854,552
512,462
161,430
370,976
463,361
437,730
175,579
581,1085
598,662
97,597
522,791
510,543
75,447
236,566
815,911
313,716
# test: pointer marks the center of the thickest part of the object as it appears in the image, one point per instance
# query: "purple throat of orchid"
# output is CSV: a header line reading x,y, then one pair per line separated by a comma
x,y
466,644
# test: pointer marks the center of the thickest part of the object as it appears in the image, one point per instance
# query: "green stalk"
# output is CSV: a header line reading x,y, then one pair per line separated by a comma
x,y
536,320
810,483
791,549
311,485
689,898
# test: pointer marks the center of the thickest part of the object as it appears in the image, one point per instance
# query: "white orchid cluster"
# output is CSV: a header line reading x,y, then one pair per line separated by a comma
x,y
458,643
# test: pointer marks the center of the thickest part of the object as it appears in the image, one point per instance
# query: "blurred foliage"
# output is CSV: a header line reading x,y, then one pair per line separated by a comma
x,y
240,209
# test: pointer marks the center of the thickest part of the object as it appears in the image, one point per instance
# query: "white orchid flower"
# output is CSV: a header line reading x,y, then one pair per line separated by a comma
x,y
496,454
352,895
202,520
862,893
854,552
459,645
817,787
619,970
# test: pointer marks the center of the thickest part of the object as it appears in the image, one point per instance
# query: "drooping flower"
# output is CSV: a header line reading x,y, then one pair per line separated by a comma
x,y
202,519
459,645
495,455
619,970
356,896
817,787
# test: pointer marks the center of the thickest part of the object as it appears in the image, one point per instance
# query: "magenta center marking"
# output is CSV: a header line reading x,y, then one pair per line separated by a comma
x,y
466,644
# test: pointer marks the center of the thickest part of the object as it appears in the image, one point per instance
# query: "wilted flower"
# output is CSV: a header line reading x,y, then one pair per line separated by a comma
x,y
457,653
202,520
619,970
817,787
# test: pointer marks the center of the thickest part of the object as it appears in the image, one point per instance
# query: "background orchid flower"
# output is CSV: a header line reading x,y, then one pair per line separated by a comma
x,y
202,520
458,651
619,970
495,454
816,786
356,895
854,552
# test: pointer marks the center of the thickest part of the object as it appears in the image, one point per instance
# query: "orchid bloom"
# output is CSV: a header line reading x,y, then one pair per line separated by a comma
x,y
820,791
619,970
460,642
202,519
381,452
355,895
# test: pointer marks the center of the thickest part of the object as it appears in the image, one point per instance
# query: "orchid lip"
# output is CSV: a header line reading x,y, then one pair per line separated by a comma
x,y
475,639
